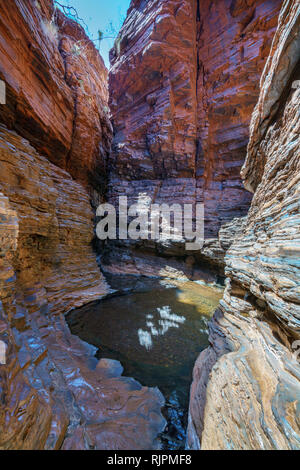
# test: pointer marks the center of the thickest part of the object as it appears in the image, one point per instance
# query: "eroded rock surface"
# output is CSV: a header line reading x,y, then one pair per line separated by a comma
x,y
170,259
55,223
246,388
53,393
183,85
56,88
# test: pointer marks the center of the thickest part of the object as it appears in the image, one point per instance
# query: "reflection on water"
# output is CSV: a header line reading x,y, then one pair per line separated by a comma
x,y
156,331
159,327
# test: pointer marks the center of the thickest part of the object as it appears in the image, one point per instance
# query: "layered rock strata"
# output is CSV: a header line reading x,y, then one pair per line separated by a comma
x,y
56,85
171,259
246,388
183,84
53,392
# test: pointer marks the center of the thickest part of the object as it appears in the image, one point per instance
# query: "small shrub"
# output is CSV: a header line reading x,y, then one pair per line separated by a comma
x,y
117,45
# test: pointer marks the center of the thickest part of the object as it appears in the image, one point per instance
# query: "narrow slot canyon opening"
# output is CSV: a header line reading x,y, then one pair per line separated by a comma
x,y
149,224
155,326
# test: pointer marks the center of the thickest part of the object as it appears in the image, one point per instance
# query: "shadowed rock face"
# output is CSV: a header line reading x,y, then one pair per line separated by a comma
x,y
53,393
56,88
246,388
183,85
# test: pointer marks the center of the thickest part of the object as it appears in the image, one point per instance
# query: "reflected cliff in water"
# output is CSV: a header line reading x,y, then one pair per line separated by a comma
x,y
156,328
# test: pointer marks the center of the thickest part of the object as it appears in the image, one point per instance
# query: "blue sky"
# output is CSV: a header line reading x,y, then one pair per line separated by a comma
x,y
98,14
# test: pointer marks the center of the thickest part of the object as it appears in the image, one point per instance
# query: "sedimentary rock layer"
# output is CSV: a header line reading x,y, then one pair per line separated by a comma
x,y
183,85
55,222
53,393
246,388
171,258
56,88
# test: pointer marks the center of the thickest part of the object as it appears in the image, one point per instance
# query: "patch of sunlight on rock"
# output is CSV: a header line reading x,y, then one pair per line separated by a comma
x,y
204,298
173,273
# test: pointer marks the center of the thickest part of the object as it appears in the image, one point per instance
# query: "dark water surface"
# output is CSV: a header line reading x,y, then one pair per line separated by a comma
x,y
156,329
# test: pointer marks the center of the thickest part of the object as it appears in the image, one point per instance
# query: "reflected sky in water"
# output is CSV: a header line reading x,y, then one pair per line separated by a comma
x,y
159,327
157,331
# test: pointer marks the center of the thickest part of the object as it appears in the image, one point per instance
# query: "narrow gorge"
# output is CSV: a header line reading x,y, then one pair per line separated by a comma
x,y
141,344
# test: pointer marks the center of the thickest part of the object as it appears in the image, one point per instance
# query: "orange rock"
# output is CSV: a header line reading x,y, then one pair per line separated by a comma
x,y
246,387
56,88
183,84
53,393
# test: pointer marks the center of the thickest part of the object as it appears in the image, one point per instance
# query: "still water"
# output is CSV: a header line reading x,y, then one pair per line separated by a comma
x,y
156,329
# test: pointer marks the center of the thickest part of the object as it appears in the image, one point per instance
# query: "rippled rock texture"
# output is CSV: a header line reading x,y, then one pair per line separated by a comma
x,y
246,388
183,85
56,88
53,392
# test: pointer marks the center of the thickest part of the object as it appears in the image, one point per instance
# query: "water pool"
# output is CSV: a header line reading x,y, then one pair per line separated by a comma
x,y
156,329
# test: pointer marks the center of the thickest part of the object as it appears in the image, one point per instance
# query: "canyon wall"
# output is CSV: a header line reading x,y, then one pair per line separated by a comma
x,y
54,129
246,388
57,91
184,82
183,85
54,393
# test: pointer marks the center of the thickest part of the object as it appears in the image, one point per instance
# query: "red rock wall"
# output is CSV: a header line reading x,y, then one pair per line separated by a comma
x,y
246,385
152,89
56,88
183,84
54,394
